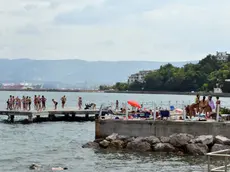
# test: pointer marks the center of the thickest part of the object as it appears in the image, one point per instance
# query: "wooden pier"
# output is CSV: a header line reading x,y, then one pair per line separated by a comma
x,y
52,115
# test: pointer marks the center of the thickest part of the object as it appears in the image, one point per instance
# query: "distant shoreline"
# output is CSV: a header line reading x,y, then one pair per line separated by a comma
x,y
120,92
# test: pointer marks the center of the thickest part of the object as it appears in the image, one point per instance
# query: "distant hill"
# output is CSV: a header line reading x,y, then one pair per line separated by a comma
x,y
73,71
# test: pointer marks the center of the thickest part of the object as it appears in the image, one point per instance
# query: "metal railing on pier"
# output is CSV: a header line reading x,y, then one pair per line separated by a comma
x,y
223,154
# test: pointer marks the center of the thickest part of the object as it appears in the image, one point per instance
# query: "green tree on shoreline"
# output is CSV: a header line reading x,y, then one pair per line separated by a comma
x,y
202,76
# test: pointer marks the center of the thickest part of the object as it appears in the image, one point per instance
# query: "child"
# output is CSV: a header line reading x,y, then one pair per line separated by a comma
x,y
55,104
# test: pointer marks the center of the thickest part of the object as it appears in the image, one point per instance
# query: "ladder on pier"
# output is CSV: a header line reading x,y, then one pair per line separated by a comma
x,y
221,154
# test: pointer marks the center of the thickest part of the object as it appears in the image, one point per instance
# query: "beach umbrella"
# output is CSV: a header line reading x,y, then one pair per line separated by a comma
x,y
134,103
179,110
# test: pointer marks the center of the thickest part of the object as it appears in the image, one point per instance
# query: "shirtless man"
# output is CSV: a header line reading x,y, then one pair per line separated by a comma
x,y
63,101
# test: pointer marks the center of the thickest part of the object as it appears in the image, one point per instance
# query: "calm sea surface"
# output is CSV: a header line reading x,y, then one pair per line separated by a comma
x,y
59,143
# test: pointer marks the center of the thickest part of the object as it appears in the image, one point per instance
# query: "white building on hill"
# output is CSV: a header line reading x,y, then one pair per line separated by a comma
x,y
223,56
138,77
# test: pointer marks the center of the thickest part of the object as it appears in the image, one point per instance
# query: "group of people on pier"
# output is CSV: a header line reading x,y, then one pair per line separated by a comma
x,y
39,102
24,103
204,105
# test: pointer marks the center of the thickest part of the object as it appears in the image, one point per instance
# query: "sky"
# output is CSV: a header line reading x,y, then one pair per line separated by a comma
x,y
114,30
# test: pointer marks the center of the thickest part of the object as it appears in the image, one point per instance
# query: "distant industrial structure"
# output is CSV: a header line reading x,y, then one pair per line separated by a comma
x,y
222,56
138,77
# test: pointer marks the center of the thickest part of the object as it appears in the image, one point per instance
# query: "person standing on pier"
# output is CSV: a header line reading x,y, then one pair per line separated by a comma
x,y
13,103
43,102
39,103
117,105
217,103
63,101
35,103
79,103
17,103
29,103
55,104
23,102
8,104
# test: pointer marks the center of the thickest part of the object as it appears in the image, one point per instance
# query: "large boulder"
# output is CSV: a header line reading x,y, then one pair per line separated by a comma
x,y
116,144
179,140
218,147
164,139
152,140
138,145
104,143
139,139
94,145
205,139
222,140
112,137
197,149
163,147
98,140
123,138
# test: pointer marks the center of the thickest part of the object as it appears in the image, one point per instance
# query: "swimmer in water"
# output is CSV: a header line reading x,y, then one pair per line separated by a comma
x,y
59,168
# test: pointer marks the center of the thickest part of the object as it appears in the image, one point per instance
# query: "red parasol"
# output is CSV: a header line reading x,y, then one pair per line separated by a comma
x,y
134,103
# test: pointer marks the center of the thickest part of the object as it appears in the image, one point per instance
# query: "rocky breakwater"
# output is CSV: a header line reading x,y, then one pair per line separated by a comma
x,y
181,143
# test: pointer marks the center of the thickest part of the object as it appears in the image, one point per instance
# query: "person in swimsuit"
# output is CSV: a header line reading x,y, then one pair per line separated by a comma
x,y
43,102
35,103
117,105
79,103
203,103
29,103
217,103
55,104
13,102
8,104
19,104
39,102
23,102
63,101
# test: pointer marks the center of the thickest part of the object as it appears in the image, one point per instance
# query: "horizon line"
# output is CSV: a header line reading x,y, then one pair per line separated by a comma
x,y
97,60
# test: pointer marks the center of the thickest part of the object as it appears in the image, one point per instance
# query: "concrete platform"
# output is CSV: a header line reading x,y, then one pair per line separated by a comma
x,y
158,128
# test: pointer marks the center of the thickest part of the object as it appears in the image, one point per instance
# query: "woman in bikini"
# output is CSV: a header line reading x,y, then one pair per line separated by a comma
x,y
203,103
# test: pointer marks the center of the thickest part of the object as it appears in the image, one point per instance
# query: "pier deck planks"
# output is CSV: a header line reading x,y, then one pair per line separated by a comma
x,y
48,111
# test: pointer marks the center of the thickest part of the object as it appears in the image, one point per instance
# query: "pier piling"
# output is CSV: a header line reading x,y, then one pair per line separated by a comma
x,y
12,118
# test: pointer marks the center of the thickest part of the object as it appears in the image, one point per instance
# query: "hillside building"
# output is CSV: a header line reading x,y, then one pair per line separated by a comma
x,y
138,77
222,56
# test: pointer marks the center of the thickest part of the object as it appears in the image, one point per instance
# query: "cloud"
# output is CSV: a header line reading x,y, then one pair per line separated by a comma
x,y
169,30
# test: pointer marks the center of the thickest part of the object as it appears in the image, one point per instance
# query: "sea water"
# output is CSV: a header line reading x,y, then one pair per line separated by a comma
x,y
59,144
